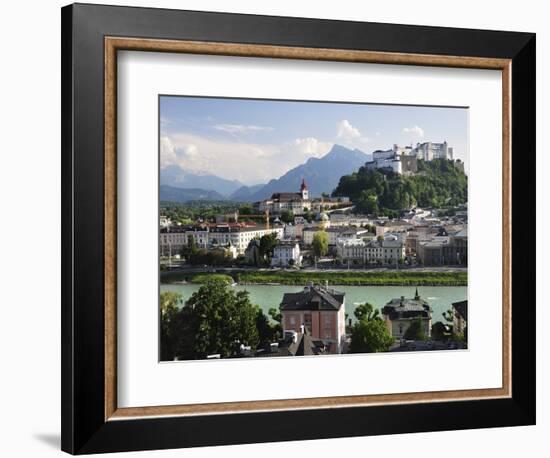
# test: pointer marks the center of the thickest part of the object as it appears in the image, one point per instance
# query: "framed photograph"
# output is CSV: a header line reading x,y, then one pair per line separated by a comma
x,y
286,229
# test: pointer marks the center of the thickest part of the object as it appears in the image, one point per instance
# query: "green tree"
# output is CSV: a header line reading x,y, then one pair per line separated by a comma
x,y
368,203
366,312
216,320
437,183
267,331
370,334
371,228
448,316
245,315
415,331
191,249
320,243
370,337
170,303
275,315
439,331
308,215
287,216
246,210
267,244
212,257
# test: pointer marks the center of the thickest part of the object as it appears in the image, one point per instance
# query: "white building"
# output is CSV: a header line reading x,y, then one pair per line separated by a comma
x,y
388,251
295,202
326,203
387,159
236,235
285,254
199,235
347,219
172,240
399,313
231,251
399,159
239,235
402,159
351,251
334,233
293,231
393,226
429,151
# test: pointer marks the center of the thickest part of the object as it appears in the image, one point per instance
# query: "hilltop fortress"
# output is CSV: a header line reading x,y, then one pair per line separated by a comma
x,y
403,159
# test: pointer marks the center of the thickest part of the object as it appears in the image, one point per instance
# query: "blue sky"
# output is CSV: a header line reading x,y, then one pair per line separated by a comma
x,y
255,140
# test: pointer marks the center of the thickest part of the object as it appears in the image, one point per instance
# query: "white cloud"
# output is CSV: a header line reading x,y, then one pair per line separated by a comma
x,y
415,131
190,151
349,135
167,152
346,131
241,128
247,162
311,147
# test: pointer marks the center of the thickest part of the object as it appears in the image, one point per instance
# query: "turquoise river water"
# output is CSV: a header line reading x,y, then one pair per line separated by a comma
x,y
440,298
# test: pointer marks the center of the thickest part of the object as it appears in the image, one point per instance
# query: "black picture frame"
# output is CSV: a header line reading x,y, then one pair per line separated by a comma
x,y
84,429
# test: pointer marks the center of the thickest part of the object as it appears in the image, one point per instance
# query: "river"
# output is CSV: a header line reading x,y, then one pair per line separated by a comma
x,y
440,298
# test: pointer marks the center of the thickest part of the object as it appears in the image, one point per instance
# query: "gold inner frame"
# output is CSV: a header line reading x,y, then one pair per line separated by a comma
x,y
114,44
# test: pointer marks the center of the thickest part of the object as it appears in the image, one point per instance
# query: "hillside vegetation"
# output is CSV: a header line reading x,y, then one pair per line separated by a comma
x,y
438,183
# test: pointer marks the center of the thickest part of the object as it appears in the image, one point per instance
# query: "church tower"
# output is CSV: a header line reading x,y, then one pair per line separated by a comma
x,y
303,190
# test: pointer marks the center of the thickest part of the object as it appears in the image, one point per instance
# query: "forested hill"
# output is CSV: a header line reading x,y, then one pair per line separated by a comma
x,y
438,183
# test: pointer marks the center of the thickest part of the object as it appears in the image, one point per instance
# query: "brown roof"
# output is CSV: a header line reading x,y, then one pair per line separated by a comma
x,y
407,308
305,345
287,196
313,298
461,308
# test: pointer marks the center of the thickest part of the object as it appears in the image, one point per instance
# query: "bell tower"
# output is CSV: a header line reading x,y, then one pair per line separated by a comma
x,y
303,190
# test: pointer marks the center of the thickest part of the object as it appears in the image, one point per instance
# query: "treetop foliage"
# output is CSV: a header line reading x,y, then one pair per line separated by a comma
x,y
438,183
215,320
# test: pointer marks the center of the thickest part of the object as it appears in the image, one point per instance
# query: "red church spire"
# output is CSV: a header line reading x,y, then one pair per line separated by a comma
x,y
303,187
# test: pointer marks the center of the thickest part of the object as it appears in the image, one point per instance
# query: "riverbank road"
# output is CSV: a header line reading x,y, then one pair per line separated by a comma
x,y
217,269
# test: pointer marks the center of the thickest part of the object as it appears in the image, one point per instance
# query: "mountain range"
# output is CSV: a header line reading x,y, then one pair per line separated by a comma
x,y
246,193
173,194
175,176
321,174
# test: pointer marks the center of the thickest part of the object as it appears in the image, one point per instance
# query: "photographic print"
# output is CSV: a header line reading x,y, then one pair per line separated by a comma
x,y
238,200
302,228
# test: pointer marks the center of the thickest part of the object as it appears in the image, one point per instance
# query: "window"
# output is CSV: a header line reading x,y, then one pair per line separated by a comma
x,y
307,321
